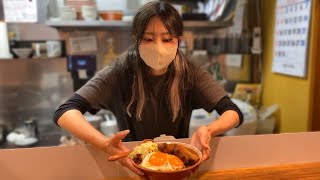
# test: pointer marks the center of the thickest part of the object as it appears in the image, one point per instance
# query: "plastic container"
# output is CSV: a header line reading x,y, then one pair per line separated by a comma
x,y
266,126
94,120
250,123
200,117
110,126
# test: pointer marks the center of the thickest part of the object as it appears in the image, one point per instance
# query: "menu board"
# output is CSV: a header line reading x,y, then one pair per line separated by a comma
x,y
17,11
291,37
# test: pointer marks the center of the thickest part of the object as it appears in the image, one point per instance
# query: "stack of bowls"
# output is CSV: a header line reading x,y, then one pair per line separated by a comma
x,y
77,5
89,12
68,13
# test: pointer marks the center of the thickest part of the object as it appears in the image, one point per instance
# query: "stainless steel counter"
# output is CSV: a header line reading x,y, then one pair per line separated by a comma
x,y
45,140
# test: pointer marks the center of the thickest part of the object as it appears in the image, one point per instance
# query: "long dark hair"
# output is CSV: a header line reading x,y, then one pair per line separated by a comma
x,y
178,70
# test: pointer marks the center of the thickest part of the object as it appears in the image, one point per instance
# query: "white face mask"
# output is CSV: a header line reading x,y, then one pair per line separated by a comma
x,y
157,56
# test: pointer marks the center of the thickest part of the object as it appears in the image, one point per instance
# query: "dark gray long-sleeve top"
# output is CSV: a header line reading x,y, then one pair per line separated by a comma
x,y
110,89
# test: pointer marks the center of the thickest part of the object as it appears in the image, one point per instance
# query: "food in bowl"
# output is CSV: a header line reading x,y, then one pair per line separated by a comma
x,y
141,151
165,156
162,161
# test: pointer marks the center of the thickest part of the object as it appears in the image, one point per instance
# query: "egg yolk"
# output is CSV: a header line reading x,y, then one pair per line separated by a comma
x,y
158,159
175,161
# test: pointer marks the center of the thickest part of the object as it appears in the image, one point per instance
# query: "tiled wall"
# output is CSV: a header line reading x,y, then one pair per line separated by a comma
x,y
32,89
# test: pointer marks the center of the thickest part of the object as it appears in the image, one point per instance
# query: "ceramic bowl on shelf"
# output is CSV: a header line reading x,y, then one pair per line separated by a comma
x,y
22,52
89,13
111,15
68,13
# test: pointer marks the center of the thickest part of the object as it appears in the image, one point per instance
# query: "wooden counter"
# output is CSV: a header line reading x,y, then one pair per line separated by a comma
x,y
288,171
280,156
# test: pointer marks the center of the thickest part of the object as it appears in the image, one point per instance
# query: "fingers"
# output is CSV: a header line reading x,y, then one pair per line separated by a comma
x,y
115,140
201,138
128,163
205,141
120,135
205,155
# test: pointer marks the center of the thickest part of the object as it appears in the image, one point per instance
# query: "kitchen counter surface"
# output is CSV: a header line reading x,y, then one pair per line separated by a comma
x,y
228,154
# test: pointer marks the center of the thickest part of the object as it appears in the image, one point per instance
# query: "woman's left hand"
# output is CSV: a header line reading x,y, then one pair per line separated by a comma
x,y
201,139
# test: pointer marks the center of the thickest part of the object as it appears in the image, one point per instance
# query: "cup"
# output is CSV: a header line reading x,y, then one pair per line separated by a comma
x,y
31,128
54,48
89,12
68,13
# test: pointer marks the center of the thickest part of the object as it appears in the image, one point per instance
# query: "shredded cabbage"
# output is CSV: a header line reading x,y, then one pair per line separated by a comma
x,y
144,149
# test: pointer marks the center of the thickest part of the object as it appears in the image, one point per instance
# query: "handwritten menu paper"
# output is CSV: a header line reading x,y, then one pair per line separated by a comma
x,y
18,11
291,37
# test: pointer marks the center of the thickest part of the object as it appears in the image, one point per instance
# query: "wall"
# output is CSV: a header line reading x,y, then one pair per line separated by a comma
x,y
33,89
291,93
33,32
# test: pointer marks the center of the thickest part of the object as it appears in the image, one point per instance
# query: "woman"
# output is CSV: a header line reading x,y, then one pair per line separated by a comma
x,y
151,90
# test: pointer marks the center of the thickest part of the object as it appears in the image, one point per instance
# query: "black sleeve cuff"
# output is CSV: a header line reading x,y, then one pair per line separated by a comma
x,y
226,104
75,102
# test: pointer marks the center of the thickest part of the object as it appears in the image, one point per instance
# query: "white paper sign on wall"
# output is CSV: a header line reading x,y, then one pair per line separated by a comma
x,y
20,11
234,60
291,37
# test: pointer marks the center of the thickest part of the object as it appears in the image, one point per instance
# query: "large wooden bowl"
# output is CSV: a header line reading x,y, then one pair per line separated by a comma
x,y
177,174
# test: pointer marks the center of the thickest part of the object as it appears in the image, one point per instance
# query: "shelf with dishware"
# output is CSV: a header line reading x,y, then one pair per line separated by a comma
x,y
115,24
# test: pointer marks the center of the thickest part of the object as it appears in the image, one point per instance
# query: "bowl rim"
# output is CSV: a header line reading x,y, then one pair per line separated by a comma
x,y
199,153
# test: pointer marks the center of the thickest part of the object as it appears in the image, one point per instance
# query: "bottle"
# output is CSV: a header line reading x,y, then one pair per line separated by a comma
x,y
31,128
110,55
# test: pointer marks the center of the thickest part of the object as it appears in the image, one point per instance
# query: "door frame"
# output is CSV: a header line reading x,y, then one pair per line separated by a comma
x,y
315,77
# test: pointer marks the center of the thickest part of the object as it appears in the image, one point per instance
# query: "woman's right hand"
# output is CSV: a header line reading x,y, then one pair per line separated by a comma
x,y
83,130
115,146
